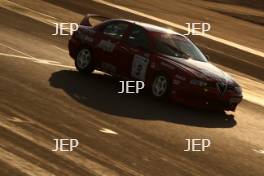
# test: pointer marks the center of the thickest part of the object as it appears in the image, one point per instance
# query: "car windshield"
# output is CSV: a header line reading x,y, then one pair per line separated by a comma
x,y
178,46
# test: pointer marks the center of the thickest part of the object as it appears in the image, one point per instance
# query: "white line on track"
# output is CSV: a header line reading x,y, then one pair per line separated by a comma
x,y
217,39
16,50
16,56
63,50
258,151
40,61
76,158
25,11
26,166
234,57
108,131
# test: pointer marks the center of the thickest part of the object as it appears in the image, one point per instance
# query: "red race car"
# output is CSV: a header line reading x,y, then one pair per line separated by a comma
x,y
169,63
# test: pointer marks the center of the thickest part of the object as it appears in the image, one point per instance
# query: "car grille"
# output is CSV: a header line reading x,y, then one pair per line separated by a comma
x,y
222,87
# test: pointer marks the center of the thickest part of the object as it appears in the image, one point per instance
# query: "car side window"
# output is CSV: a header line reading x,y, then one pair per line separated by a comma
x,y
115,29
164,48
138,38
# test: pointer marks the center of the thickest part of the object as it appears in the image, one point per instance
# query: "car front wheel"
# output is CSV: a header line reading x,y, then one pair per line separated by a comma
x,y
160,86
83,61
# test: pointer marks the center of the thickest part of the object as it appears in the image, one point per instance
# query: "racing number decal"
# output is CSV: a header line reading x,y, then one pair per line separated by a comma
x,y
139,67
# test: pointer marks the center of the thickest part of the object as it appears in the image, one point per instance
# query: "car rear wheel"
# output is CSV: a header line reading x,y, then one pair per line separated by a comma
x,y
160,86
83,61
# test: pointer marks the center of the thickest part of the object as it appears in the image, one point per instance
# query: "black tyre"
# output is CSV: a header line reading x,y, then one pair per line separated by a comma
x,y
84,62
160,86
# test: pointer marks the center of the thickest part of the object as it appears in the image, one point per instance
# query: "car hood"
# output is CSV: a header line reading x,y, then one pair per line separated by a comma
x,y
201,70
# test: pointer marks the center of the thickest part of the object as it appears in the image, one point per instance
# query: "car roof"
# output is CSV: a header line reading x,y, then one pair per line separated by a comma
x,y
150,27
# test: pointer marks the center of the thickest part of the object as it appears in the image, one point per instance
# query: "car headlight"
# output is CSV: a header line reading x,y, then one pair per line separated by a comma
x,y
198,83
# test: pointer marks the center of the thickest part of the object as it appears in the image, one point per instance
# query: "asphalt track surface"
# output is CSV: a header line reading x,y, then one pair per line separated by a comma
x,y
43,97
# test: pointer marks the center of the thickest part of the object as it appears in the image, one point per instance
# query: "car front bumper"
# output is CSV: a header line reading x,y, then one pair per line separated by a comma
x,y
209,100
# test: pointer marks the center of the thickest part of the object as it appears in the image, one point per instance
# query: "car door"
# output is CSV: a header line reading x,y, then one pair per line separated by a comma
x,y
107,43
134,53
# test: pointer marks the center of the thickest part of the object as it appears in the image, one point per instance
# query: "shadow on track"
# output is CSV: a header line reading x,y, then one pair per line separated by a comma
x,y
100,92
